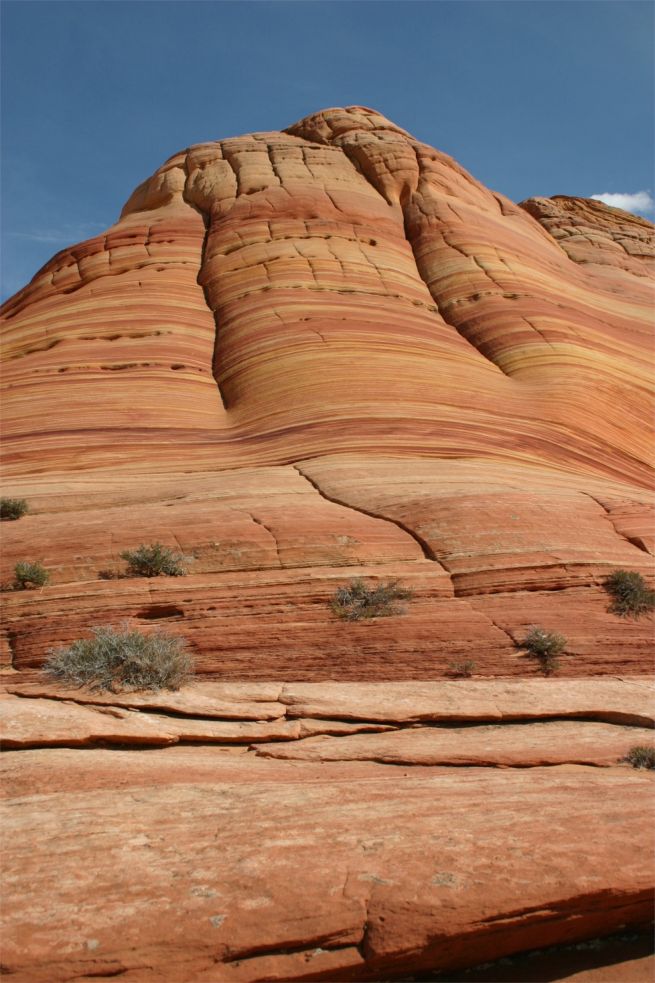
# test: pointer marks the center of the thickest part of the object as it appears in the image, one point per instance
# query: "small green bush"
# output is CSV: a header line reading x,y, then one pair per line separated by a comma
x,y
153,560
641,756
358,601
545,646
631,596
461,670
12,508
122,658
28,574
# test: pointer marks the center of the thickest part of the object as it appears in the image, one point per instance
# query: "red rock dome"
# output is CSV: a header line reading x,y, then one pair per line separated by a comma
x,y
303,358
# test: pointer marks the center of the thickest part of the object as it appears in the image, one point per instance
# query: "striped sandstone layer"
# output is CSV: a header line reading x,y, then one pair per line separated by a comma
x,y
488,550
335,287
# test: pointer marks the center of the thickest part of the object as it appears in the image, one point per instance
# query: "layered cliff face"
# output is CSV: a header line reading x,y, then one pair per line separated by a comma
x,y
299,358
329,351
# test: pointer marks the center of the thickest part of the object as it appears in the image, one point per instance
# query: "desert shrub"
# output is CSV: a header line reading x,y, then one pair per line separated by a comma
x,y
461,670
630,594
358,600
30,574
122,658
154,560
641,756
545,646
12,508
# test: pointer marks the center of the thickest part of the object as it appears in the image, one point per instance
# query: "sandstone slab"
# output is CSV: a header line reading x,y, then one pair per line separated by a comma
x,y
40,722
224,701
496,745
252,869
621,701
35,722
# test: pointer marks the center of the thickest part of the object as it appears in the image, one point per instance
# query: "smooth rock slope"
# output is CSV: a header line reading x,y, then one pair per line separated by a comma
x,y
426,838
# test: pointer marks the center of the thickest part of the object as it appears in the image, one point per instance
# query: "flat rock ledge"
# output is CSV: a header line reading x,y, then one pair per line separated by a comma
x,y
265,831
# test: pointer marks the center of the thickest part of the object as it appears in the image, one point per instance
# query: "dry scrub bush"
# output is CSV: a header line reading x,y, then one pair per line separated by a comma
x,y
461,670
153,560
29,574
12,508
359,601
545,646
631,596
122,658
641,756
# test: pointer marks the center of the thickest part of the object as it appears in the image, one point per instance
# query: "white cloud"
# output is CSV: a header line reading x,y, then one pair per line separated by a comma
x,y
640,201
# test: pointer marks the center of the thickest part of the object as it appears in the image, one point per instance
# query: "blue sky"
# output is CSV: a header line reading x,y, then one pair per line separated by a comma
x,y
534,98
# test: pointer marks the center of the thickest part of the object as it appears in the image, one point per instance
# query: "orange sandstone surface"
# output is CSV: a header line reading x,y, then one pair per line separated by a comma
x,y
298,358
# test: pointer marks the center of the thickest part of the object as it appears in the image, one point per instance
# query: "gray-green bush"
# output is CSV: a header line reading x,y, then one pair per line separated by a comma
x,y
121,657
358,601
28,573
545,646
154,560
12,508
641,756
631,596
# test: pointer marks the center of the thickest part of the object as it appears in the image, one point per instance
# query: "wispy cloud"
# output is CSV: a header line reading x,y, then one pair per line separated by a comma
x,y
66,234
40,236
640,202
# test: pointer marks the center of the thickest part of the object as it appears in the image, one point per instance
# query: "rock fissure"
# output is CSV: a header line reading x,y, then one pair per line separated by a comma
x,y
425,547
539,332
270,532
11,645
632,540
585,902
270,152
200,280
357,157
310,950
505,631
104,974
443,308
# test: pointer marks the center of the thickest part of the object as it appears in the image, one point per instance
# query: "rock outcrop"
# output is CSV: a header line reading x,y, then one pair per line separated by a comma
x,y
300,358
437,825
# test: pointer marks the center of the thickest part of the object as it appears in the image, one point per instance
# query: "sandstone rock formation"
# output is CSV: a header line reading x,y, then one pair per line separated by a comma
x,y
300,358
330,352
